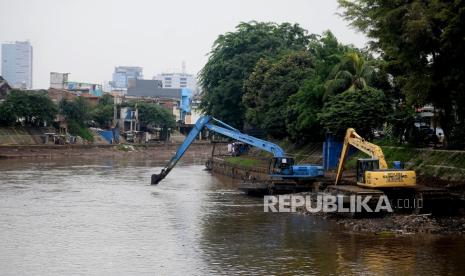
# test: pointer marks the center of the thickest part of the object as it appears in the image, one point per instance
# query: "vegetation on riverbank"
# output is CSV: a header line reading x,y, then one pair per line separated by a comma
x,y
34,109
283,83
441,164
244,161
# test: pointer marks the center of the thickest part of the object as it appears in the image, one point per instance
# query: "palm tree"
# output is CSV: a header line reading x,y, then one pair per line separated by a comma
x,y
352,73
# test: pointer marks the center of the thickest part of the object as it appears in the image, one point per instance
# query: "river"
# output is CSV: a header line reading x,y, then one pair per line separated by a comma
x,y
102,218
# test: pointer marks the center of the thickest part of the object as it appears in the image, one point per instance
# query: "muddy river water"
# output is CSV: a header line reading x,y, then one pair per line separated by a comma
x,y
103,218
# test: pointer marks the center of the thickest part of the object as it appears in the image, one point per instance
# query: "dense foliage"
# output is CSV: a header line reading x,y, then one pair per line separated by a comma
x,y
268,88
155,116
363,110
423,46
77,111
28,108
233,58
287,84
36,109
279,86
103,112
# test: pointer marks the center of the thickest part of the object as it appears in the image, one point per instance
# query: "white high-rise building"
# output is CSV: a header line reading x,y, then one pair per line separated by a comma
x,y
17,64
177,80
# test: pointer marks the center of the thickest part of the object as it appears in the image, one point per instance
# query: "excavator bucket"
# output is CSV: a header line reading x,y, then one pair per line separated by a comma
x,y
155,179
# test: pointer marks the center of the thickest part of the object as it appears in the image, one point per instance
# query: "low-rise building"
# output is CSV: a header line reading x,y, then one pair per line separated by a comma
x,y
84,88
177,100
56,95
58,80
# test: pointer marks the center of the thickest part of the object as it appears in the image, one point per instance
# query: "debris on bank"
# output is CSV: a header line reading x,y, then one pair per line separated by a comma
x,y
395,223
405,224
384,224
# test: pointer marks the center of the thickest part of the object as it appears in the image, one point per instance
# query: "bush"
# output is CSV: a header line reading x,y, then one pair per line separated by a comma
x,y
75,129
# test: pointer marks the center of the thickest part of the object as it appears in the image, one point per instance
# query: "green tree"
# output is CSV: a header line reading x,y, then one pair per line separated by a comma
x,y
6,117
423,47
363,110
302,108
34,108
155,116
103,112
351,73
234,56
77,111
270,85
106,99
328,52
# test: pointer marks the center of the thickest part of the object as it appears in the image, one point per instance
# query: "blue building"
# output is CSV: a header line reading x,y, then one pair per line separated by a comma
x,y
122,74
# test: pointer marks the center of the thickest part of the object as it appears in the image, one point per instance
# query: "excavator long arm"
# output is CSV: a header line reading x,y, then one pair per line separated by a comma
x,y
221,128
353,139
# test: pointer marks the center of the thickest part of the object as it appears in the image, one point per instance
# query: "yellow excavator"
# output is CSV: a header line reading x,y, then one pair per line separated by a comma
x,y
373,172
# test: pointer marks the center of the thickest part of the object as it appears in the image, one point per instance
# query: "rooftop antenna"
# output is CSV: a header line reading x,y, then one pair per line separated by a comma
x,y
183,67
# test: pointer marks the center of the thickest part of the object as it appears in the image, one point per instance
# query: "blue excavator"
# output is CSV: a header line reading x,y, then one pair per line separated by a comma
x,y
281,166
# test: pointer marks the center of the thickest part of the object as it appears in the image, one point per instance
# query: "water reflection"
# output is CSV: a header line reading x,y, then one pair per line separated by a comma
x,y
103,218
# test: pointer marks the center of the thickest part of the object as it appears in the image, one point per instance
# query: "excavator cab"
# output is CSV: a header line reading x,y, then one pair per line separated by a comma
x,y
281,165
364,165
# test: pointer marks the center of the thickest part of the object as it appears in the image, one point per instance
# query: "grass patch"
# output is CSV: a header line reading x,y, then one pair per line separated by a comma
x,y
243,161
124,148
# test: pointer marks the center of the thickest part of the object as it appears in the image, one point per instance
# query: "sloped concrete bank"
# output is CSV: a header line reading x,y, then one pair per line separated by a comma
x,y
197,152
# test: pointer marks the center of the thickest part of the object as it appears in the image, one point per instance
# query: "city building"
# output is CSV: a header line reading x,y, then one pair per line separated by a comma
x,y
123,74
177,80
58,80
177,100
17,64
81,88
56,95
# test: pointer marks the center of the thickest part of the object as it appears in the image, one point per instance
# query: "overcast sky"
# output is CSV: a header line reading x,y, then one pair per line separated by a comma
x,y
88,38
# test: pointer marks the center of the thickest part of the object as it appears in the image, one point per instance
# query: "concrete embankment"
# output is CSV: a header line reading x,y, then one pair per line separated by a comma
x,y
198,152
223,166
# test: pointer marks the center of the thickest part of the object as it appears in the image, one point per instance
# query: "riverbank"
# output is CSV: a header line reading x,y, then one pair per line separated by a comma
x,y
197,152
395,223
405,224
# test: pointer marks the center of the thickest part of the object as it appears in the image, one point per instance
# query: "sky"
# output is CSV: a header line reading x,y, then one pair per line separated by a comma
x,y
88,38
